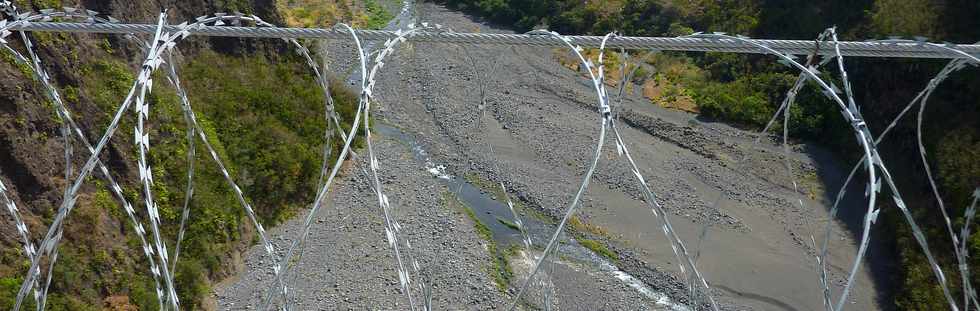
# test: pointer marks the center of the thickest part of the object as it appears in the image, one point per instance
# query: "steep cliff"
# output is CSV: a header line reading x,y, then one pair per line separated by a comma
x,y
272,142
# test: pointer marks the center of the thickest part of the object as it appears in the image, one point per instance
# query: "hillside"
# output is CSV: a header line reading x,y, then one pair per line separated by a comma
x,y
272,147
261,108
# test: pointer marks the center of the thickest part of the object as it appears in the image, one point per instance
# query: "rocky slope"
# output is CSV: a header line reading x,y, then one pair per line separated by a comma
x,y
101,263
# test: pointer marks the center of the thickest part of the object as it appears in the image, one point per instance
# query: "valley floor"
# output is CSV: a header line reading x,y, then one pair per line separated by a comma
x,y
543,124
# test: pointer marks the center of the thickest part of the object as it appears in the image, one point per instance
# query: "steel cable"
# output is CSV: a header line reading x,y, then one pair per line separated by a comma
x,y
882,48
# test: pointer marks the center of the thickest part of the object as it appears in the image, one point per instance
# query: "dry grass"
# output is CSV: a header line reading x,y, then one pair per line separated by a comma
x,y
582,226
669,95
667,87
325,13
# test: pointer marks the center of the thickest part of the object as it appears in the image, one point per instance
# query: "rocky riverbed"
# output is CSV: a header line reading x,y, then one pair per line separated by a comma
x,y
754,245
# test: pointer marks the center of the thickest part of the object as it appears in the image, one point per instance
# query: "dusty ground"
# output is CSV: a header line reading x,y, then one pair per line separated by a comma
x,y
543,124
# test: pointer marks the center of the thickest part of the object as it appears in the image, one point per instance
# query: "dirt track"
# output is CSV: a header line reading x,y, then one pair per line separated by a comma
x,y
543,124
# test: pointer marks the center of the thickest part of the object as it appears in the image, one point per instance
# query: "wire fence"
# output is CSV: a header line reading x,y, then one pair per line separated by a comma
x,y
895,47
163,39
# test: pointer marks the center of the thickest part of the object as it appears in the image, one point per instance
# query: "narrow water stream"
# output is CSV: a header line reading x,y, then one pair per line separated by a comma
x,y
490,210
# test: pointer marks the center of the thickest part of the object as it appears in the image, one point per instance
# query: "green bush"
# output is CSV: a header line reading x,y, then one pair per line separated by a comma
x,y
9,286
748,100
378,17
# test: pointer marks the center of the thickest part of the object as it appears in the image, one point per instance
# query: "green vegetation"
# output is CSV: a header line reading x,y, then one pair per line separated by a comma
x,y
747,89
509,224
259,111
377,16
482,183
8,292
598,248
9,59
583,227
325,13
269,142
505,272
583,230
493,188
248,121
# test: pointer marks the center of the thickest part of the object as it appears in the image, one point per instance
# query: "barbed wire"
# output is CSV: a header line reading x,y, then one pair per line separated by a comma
x,y
165,38
917,48
142,142
961,259
392,227
694,277
61,109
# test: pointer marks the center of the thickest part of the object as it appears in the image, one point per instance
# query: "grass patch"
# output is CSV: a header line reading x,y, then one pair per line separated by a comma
x,y
377,16
581,226
598,248
482,183
508,223
325,13
24,68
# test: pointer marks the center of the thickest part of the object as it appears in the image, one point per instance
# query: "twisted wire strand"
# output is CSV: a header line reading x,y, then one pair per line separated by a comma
x,y
550,289
169,43
482,86
424,285
649,196
821,257
191,158
784,106
871,214
830,33
52,237
862,133
174,80
22,230
66,136
298,242
788,166
142,142
40,293
879,48
873,161
165,39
